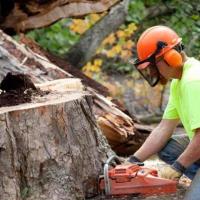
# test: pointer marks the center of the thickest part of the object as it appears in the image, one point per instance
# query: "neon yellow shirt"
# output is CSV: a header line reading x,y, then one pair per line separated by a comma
x,y
184,99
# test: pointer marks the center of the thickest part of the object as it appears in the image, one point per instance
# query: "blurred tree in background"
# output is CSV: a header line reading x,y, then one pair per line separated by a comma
x,y
119,46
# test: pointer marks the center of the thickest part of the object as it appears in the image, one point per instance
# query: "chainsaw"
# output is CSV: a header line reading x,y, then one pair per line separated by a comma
x,y
133,179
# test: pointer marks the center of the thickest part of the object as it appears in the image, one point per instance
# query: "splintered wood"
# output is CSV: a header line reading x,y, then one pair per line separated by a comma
x,y
117,126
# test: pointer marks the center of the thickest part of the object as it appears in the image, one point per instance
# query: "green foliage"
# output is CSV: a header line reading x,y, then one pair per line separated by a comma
x,y
186,21
56,38
114,66
136,11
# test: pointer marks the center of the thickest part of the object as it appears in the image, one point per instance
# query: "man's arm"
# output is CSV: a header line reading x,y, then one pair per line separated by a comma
x,y
192,152
157,139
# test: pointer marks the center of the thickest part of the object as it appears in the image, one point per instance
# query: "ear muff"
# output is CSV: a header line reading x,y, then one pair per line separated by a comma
x,y
173,58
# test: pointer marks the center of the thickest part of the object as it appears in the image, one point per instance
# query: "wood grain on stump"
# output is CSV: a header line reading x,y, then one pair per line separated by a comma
x,y
50,148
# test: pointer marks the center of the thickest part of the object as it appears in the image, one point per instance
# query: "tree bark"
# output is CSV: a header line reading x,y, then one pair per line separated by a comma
x,y
86,48
20,16
47,146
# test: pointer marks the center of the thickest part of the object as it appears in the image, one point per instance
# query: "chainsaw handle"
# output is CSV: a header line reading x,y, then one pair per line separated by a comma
x,y
106,175
111,158
145,171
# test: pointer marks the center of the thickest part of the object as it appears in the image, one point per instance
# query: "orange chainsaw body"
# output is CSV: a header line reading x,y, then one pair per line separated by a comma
x,y
135,179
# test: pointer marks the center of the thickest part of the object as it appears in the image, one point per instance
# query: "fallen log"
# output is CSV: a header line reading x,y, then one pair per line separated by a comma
x,y
117,126
19,16
46,145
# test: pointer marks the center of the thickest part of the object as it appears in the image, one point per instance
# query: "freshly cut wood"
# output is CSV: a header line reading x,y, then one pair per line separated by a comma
x,y
47,146
69,84
21,16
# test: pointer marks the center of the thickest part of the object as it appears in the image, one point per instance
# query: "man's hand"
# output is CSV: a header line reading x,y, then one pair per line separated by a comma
x,y
133,160
169,172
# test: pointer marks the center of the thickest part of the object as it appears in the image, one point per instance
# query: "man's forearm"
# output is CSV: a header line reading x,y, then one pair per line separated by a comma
x,y
192,152
155,142
152,145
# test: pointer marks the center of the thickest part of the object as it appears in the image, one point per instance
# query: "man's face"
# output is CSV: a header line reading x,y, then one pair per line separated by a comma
x,y
164,69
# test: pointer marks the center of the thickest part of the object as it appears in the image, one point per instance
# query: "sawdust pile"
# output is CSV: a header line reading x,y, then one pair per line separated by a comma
x,y
17,89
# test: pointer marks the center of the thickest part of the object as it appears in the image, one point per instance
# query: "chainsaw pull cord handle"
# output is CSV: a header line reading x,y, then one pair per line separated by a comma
x,y
106,175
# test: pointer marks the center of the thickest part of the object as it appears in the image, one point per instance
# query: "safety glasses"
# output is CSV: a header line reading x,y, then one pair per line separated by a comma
x,y
147,68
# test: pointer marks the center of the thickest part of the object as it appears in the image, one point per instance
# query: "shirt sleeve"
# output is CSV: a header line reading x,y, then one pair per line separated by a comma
x,y
171,111
192,98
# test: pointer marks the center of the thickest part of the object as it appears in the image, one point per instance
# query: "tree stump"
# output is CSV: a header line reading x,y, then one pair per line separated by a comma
x,y
51,148
116,125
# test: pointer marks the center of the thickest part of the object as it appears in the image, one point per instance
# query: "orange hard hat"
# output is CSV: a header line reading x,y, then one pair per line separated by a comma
x,y
147,42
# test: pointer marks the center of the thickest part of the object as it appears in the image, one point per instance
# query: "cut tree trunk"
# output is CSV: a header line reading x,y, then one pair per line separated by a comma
x,y
22,59
86,48
47,146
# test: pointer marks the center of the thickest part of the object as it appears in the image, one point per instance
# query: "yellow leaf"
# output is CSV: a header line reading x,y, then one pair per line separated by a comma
x,y
110,54
128,45
95,68
128,33
117,48
88,73
94,17
79,26
77,21
132,27
125,54
120,34
110,39
98,62
87,66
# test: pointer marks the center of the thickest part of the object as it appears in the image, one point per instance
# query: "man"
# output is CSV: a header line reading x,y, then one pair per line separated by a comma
x,y
161,58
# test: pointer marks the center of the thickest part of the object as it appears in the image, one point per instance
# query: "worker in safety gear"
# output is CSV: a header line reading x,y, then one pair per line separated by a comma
x,y
161,58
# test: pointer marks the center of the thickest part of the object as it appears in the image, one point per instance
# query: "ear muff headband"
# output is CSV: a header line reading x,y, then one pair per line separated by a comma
x,y
173,58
